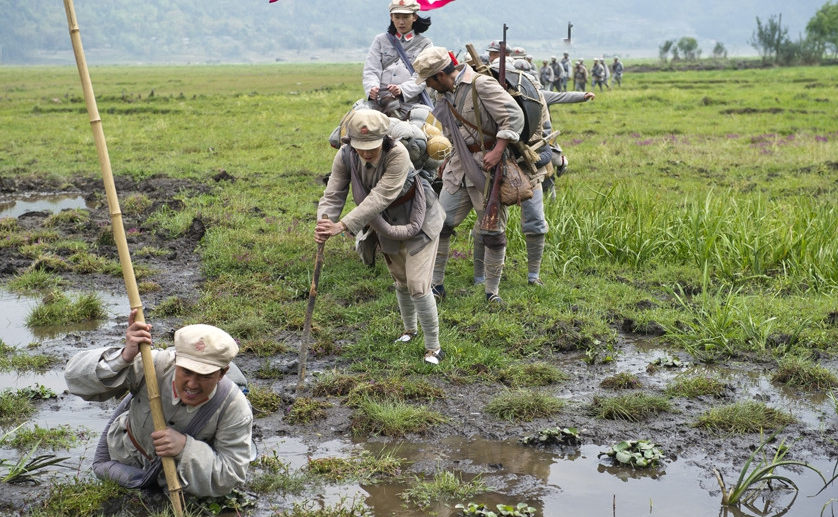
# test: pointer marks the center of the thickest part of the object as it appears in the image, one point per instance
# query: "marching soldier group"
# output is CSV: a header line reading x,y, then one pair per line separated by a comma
x,y
390,175
480,122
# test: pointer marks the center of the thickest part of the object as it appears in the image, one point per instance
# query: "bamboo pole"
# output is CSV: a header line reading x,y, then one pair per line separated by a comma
x,y
169,467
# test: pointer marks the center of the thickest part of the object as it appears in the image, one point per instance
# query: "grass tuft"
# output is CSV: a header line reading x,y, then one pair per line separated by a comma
x,y
364,467
692,387
35,280
622,381
524,405
804,374
445,486
56,308
535,374
264,400
743,417
394,388
274,475
633,407
391,418
305,410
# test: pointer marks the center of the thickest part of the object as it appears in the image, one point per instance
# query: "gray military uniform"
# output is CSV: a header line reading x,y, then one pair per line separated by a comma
x,y
211,464
383,65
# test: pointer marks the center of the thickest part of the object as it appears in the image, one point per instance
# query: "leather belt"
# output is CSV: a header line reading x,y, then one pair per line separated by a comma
x,y
136,443
488,144
406,197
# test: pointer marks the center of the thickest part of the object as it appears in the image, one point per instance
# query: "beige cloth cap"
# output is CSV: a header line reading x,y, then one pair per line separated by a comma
x,y
204,349
366,129
430,62
404,6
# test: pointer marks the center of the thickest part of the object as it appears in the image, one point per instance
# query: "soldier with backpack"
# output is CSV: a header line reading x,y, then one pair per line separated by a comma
x,y
480,119
397,202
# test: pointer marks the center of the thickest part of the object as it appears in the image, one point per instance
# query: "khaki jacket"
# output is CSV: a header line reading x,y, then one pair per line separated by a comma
x,y
384,181
500,117
211,464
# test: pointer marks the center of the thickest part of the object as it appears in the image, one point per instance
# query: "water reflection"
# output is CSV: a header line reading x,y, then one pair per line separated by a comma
x,y
41,203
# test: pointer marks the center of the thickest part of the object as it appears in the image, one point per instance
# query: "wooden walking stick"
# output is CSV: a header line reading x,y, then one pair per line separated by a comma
x,y
169,468
312,294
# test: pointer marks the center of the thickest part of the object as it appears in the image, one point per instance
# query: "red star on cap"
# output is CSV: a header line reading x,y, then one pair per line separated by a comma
x,y
365,130
200,346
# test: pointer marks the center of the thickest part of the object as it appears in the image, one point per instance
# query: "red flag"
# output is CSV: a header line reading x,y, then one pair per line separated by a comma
x,y
427,5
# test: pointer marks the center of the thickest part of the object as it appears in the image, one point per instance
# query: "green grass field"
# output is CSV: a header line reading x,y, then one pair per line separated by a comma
x,y
700,203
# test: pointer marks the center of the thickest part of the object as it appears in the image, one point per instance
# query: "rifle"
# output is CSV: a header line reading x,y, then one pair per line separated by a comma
x,y
489,221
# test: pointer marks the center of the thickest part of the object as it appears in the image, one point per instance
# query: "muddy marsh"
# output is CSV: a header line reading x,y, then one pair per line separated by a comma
x,y
697,220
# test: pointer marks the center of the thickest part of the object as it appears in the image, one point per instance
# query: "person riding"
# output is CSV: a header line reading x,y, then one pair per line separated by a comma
x,y
385,75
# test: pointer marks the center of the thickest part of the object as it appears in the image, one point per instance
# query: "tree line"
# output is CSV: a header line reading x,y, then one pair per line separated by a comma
x,y
771,40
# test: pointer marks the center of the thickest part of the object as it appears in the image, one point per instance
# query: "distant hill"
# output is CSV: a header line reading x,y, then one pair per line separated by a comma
x,y
230,31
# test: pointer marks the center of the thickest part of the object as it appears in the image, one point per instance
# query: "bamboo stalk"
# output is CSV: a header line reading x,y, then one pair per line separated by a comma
x,y
169,467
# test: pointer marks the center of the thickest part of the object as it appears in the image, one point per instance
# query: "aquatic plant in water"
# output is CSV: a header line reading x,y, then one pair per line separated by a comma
x,y
637,453
752,482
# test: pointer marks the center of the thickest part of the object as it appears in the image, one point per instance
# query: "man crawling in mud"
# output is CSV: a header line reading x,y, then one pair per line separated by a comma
x,y
209,419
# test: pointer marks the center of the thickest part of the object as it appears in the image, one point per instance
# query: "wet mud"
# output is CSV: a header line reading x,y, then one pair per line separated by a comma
x,y
556,480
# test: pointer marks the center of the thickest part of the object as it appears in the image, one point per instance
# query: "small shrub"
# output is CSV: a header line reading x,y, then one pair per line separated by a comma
x,y
524,405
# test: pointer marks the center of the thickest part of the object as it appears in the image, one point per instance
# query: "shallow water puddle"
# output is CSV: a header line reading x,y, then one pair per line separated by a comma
x,y
555,481
67,410
15,207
